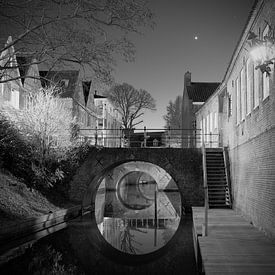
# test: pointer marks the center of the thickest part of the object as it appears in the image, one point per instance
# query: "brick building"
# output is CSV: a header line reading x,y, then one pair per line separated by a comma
x,y
19,77
109,123
242,111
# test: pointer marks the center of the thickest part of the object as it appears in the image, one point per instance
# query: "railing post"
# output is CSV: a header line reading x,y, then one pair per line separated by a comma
x,y
169,136
120,136
210,139
144,136
96,136
205,225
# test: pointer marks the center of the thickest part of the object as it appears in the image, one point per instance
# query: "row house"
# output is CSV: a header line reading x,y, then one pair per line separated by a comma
x,y
78,98
109,123
19,75
22,76
242,112
194,96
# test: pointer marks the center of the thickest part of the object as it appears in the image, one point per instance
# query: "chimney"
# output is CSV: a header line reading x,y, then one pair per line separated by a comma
x,y
187,79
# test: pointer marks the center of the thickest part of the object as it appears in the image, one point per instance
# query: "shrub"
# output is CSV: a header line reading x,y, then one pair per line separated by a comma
x,y
15,152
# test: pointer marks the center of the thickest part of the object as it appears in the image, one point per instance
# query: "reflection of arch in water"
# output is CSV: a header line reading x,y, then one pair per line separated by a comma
x,y
129,193
117,171
153,172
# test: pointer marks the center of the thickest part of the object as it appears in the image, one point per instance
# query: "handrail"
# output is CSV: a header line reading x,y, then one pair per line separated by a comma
x,y
205,186
227,174
117,137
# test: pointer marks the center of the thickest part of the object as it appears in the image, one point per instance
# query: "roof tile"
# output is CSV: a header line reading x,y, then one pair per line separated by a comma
x,y
201,91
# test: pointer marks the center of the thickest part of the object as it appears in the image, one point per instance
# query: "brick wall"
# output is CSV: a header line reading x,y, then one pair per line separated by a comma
x,y
251,140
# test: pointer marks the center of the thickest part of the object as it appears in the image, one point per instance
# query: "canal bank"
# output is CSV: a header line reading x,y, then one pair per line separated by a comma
x,y
83,249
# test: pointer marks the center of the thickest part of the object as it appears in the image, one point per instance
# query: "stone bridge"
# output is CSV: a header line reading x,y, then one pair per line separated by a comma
x,y
167,166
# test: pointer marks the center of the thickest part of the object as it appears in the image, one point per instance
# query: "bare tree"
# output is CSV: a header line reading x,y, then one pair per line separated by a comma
x,y
130,103
173,116
90,33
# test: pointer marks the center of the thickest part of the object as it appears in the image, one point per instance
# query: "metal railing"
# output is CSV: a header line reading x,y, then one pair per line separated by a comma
x,y
148,137
205,186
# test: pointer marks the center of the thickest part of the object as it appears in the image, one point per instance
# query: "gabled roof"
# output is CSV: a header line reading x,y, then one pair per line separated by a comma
x,y
57,76
201,91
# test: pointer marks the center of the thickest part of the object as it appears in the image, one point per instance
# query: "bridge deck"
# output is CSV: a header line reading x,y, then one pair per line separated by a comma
x,y
233,246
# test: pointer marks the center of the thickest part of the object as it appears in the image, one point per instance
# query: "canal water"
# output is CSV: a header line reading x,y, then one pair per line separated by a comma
x,y
136,228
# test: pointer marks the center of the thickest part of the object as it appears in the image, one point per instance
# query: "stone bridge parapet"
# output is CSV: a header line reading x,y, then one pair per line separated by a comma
x,y
183,165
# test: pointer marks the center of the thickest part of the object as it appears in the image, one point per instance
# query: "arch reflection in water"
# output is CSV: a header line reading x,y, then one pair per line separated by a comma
x,y
136,217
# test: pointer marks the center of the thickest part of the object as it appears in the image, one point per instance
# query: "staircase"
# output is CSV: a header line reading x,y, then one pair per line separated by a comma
x,y
217,179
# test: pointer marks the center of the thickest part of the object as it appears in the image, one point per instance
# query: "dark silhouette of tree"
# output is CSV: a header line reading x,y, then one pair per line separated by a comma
x,y
173,116
89,33
130,103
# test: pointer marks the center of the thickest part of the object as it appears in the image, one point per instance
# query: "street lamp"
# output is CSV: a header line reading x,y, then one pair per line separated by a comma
x,y
262,51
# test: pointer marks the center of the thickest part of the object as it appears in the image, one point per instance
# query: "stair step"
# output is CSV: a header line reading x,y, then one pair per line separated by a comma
x,y
216,192
217,188
217,201
223,185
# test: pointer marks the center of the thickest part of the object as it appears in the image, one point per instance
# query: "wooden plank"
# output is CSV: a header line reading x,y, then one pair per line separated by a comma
x,y
233,245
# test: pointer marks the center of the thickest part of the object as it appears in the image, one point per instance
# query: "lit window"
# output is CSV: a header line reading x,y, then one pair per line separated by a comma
x,y
256,86
211,123
229,110
249,84
215,120
266,77
15,98
243,94
237,100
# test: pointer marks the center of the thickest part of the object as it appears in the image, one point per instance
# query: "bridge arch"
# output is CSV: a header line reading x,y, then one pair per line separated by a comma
x,y
184,166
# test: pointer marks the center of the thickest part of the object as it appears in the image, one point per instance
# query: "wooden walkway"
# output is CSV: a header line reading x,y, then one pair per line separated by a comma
x,y
233,246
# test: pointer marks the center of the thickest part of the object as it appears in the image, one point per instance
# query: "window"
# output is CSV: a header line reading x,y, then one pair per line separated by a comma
x,y
256,86
243,95
249,84
229,110
237,100
89,122
15,98
266,77
2,89
194,124
266,87
64,83
215,120
207,127
204,128
211,123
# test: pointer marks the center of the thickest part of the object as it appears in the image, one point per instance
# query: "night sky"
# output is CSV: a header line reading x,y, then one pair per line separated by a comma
x,y
167,52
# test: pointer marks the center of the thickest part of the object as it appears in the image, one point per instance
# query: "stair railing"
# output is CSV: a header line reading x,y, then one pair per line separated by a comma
x,y
227,174
205,186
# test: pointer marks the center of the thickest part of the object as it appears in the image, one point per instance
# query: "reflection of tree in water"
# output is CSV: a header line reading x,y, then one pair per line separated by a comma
x,y
127,241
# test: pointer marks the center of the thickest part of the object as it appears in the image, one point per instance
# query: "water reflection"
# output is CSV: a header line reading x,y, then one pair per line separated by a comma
x,y
136,217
